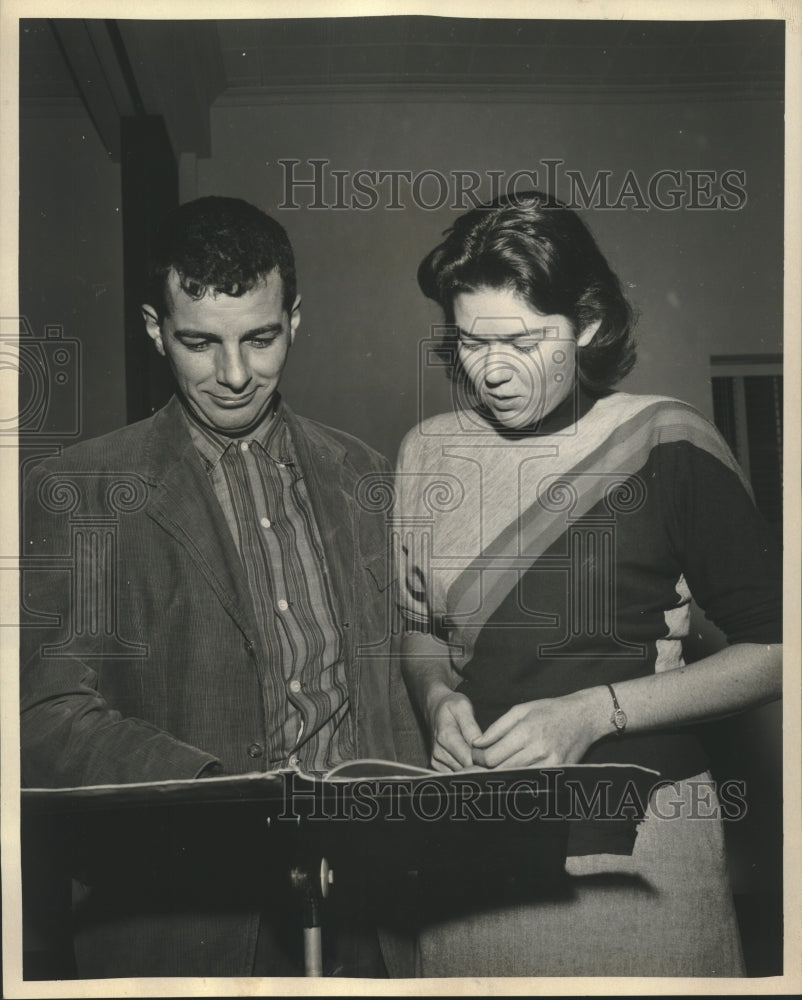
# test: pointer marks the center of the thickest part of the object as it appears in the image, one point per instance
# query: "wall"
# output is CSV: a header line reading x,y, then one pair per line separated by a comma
x,y
705,282
70,254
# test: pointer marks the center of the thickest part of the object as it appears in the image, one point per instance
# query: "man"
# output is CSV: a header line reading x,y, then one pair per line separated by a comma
x,y
218,622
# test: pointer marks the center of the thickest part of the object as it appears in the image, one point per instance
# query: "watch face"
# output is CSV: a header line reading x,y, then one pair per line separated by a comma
x,y
619,719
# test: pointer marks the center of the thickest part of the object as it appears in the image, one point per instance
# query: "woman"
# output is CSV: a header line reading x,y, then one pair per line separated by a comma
x,y
565,527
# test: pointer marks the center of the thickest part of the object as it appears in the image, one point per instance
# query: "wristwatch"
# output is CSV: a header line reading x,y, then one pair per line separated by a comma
x,y
619,716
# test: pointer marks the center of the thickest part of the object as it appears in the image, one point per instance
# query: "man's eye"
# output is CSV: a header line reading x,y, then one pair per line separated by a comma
x,y
196,345
263,341
469,345
527,346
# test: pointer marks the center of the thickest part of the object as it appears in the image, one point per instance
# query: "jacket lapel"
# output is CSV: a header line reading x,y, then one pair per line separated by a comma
x,y
330,483
183,502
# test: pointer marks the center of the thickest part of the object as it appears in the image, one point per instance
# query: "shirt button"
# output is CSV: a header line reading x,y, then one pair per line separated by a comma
x,y
265,522
255,750
295,686
248,646
243,446
282,605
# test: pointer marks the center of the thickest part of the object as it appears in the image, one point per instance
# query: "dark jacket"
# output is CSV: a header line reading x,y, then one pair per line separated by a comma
x,y
141,658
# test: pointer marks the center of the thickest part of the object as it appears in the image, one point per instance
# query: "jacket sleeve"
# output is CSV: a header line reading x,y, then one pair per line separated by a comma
x,y
70,736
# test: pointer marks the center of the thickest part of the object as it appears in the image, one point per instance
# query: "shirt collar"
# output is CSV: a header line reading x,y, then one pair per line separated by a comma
x,y
211,445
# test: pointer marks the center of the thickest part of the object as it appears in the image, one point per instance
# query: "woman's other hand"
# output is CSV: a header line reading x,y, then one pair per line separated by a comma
x,y
549,732
453,728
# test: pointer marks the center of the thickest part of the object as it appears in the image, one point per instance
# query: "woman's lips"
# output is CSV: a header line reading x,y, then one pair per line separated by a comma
x,y
503,402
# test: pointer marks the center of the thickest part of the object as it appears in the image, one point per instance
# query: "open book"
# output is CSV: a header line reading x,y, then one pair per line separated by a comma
x,y
263,784
372,789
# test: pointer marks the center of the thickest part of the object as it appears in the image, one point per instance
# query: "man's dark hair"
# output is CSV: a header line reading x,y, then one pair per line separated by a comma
x,y
535,246
219,245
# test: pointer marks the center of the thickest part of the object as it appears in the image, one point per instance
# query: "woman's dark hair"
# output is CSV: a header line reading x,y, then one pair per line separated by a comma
x,y
535,246
222,245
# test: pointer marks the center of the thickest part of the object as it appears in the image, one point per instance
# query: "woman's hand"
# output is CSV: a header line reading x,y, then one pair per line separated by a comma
x,y
453,728
549,732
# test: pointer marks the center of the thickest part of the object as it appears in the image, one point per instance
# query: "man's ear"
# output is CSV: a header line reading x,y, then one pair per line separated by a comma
x,y
295,317
588,333
153,327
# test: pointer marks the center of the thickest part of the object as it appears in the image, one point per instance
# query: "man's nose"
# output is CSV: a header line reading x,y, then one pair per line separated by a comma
x,y
232,371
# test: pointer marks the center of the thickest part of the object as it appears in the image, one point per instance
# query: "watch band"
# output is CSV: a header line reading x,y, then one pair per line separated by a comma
x,y
619,716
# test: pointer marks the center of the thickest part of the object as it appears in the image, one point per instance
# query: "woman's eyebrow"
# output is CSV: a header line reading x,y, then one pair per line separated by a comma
x,y
516,335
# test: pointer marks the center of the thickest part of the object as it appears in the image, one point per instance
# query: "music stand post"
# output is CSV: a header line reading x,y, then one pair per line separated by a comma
x,y
313,887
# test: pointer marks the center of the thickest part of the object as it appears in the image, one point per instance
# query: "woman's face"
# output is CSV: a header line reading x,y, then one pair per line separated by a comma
x,y
521,363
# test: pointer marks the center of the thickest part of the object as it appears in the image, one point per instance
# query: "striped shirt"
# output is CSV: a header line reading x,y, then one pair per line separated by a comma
x,y
261,490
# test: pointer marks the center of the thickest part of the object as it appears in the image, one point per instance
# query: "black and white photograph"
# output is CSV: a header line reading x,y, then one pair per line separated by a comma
x,y
400,437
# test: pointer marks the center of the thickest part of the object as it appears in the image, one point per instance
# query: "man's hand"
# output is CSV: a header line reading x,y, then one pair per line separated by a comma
x,y
549,732
453,728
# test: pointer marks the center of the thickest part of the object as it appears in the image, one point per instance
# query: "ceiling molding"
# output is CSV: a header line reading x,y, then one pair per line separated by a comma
x,y
180,69
498,94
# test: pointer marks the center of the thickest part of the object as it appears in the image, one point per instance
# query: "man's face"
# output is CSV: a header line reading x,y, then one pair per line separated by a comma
x,y
227,353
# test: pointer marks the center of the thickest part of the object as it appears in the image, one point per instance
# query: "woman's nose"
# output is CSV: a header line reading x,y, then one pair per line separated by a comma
x,y
498,366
